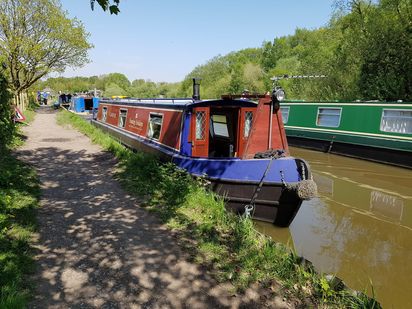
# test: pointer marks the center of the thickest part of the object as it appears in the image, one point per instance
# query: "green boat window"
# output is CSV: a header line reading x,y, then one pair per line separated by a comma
x,y
285,113
155,126
396,120
122,118
104,114
328,117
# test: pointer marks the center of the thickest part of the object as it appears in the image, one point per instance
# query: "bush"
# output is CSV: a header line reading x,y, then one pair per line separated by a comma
x,y
6,121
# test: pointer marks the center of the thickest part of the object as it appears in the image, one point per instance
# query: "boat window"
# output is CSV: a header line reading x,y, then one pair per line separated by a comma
x,y
248,123
285,113
396,120
200,125
155,126
328,117
122,118
220,125
104,114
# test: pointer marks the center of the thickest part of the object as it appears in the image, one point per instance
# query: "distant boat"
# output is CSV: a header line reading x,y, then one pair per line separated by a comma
x,y
376,131
236,142
83,103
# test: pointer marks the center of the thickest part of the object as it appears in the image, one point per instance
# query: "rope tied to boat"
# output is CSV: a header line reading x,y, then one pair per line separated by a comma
x,y
250,208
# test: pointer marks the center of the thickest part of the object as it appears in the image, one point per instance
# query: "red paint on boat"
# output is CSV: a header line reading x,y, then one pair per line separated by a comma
x,y
258,140
137,121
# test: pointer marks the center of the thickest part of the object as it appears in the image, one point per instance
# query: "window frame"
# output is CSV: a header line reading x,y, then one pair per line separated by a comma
x,y
219,122
104,113
204,125
393,109
125,119
335,108
161,125
283,118
251,123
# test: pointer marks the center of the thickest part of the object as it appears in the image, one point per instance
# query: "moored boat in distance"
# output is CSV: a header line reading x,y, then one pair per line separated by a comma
x,y
376,131
237,142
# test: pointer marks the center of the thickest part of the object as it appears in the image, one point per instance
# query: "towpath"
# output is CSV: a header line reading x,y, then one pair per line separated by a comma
x,y
96,248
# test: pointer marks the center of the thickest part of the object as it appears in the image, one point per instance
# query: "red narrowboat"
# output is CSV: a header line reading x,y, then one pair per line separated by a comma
x,y
237,142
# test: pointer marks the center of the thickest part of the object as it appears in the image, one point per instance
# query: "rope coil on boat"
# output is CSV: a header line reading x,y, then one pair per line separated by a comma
x,y
304,189
273,154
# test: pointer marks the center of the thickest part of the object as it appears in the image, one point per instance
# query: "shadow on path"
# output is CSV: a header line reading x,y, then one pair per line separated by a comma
x,y
96,247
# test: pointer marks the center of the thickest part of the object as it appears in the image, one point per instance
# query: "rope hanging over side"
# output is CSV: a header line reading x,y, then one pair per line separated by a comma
x,y
250,208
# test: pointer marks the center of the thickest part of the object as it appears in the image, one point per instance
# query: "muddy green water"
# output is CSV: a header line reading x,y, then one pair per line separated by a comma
x,y
360,226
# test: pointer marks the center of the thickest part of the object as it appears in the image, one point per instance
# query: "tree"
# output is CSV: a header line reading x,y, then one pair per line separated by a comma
x,y
114,90
386,71
113,7
36,38
117,78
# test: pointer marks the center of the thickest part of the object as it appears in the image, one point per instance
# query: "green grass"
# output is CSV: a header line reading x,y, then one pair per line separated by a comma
x,y
229,245
19,194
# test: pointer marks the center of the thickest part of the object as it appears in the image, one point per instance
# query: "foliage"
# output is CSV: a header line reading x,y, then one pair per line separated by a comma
x,y
19,194
118,79
113,89
36,38
218,239
107,5
386,72
7,128
111,84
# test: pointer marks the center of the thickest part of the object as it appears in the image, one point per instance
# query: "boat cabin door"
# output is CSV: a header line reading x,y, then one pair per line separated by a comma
x,y
200,131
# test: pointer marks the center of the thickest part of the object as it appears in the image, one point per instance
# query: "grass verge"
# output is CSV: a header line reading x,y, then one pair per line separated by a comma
x,y
19,194
229,245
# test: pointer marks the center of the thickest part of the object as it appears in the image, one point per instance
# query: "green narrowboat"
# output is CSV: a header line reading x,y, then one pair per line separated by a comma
x,y
376,131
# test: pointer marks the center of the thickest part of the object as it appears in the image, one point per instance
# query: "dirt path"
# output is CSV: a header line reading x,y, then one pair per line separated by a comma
x,y
96,248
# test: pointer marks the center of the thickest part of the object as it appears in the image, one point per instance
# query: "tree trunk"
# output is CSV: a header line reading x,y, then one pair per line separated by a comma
x,y
20,99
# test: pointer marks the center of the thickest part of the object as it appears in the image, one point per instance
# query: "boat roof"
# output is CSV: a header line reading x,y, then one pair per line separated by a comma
x,y
179,103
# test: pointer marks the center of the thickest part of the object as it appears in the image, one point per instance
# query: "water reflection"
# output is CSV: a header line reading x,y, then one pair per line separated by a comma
x,y
360,227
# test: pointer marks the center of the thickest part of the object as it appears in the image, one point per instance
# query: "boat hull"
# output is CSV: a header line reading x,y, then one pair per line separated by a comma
x,y
274,203
370,153
375,131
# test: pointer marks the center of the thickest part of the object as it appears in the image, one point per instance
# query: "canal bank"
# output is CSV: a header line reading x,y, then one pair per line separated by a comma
x,y
359,228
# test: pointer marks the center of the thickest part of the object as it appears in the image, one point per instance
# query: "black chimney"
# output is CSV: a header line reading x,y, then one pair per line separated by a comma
x,y
196,88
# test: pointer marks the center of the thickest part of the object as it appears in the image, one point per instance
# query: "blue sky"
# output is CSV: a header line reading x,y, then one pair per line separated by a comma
x,y
163,40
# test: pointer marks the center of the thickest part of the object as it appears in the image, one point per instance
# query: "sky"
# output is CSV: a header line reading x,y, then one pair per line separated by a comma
x,y
164,40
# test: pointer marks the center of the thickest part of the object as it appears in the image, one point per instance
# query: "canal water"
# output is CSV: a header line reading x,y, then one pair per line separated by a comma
x,y
359,228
